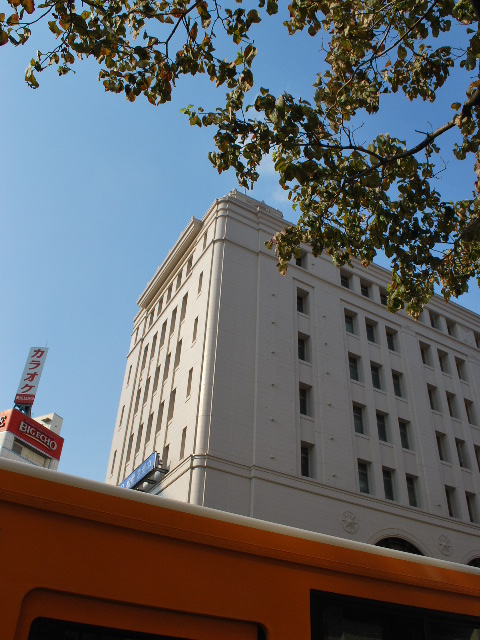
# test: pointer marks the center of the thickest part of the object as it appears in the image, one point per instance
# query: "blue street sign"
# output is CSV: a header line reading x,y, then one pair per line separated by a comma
x,y
140,472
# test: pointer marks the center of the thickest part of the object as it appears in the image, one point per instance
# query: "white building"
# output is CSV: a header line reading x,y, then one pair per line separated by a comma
x,y
35,441
301,399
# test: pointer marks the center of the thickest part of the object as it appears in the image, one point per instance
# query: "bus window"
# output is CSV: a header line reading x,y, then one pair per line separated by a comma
x,y
47,629
347,618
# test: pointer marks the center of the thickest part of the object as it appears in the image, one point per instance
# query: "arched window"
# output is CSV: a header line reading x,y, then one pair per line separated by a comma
x,y
474,562
398,544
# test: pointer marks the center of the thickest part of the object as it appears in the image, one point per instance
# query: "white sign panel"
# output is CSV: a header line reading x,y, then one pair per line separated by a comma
x,y
31,375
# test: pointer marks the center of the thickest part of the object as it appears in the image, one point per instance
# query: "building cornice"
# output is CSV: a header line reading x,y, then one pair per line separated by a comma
x,y
174,256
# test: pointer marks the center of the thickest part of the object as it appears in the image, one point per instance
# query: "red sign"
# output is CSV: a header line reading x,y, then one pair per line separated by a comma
x,y
32,433
31,376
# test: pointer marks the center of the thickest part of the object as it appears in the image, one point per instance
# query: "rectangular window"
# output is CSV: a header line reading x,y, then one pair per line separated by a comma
x,y
434,320
383,297
173,321
159,418
184,308
451,328
443,361
144,359
169,293
150,319
302,345
460,366
412,491
363,477
195,328
189,265
113,462
171,406
404,435
471,506
129,375
452,405
353,367
121,416
182,444
425,352
345,281
299,261
154,344
302,301
166,368
349,324
189,382
159,306
432,397
397,384
477,456
204,241
200,283
155,379
388,484
130,445
450,496
178,353
391,340
370,331
441,446
148,432
145,393
139,439
477,340
382,427
304,400
179,281
462,459
358,419
166,452
137,400
163,333
305,461
365,289
469,411
375,369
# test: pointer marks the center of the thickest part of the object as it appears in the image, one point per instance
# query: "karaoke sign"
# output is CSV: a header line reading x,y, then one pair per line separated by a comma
x,y
31,376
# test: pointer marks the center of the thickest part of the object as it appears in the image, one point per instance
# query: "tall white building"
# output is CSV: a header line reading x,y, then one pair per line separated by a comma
x,y
301,399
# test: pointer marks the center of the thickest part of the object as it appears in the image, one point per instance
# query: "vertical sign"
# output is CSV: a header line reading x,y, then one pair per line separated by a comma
x,y
31,376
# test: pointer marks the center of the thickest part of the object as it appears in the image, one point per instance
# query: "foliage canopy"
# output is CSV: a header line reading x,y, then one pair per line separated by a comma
x,y
354,198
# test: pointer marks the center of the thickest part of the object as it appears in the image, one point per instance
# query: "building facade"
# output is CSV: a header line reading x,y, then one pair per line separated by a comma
x,y
34,441
300,399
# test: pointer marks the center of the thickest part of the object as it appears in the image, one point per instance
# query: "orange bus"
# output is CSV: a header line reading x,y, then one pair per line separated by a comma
x,y
82,560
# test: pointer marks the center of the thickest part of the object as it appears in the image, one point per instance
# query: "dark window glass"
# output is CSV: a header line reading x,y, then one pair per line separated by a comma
x,y
382,427
363,477
305,461
303,396
345,281
397,385
365,289
441,446
391,341
411,489
301,349
358,419
349,323
46,629
370,332
403,427
353,367
450,501
388,484
383,298
376,376
300,304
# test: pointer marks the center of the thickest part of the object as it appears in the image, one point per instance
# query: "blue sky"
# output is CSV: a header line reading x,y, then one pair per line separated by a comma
x,y
94,191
